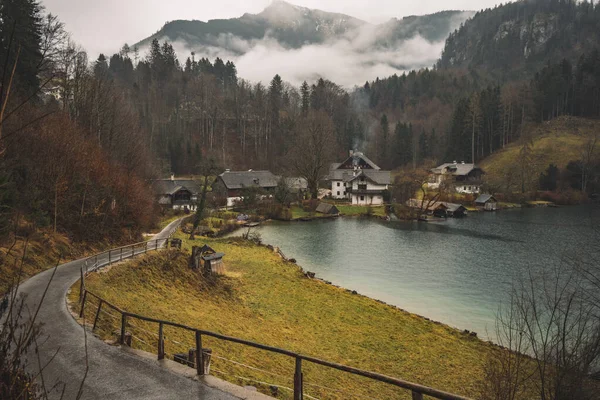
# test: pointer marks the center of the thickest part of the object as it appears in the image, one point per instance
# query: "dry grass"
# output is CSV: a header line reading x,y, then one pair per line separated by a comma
x,y
557,142
267,300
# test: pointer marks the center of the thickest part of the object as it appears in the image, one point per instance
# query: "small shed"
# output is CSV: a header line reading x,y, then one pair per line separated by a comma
x,y
326,208
456,210
209,259
487,202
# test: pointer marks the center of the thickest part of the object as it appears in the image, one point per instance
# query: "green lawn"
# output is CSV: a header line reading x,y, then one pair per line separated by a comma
x,y
264,299
350,210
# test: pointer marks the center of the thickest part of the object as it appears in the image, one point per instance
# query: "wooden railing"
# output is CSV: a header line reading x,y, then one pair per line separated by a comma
x,y
418,391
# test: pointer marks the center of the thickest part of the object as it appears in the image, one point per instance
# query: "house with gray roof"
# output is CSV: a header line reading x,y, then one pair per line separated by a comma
x,y
176,193
233,184
359,180
461,177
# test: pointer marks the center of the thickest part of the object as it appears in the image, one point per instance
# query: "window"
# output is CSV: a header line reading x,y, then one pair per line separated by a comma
x,y
362,187
362,198
465,188
338,185
469,188
338,193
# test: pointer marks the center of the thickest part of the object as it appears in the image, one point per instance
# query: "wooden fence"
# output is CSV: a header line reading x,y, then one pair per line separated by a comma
x,y
418,391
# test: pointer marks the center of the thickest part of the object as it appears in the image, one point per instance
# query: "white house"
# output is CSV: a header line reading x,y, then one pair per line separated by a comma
x,y
462,177
359,180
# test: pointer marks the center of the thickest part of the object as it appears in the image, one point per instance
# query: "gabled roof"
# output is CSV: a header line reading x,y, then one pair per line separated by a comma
x,y
177,189
326,208
359,155
378,177
456,169
246,179
168,186
297,183
484,198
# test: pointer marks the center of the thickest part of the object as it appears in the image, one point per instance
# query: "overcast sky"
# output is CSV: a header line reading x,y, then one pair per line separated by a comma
x,y
104,25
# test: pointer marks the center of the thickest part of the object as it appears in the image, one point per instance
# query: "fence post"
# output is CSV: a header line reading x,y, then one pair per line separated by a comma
x,y
121,256
417,395
81,286
123,326
83,304
298,380
109,257
199,355
161,342
97,315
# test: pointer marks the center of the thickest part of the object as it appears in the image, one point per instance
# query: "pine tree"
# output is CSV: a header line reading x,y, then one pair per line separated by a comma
x,y
21,33
305,92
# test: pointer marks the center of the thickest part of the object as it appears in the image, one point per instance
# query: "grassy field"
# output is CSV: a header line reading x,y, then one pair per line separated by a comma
x,y
264,299
349,210
557,142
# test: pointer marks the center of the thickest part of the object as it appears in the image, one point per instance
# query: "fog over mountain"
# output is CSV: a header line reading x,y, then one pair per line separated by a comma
x,y
304,44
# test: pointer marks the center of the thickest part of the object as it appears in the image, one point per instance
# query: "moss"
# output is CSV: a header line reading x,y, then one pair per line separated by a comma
x,y
264,299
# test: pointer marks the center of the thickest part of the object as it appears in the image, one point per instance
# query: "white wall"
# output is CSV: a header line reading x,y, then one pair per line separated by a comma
x,y
369,200
335,189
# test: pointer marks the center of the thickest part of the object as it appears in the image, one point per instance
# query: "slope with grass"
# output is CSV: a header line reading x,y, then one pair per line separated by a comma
x,y
264,299
556,142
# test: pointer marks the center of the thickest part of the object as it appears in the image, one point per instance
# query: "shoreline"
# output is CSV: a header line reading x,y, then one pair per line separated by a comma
x,y
313,275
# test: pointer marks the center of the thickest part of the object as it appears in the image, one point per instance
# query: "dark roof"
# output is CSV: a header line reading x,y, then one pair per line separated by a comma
x,y
168,186
378,177
177,189
206,248
326,208
214,256
484,198
360,155
246,179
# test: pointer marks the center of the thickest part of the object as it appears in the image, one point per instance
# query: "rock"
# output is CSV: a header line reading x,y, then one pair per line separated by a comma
x,y
354,292
292,260
310,275
270,247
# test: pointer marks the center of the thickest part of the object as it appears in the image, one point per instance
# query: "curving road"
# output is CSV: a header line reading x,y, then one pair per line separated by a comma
x,y
113,373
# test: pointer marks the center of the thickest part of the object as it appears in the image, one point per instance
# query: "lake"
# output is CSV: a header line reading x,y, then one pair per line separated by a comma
x,y
457,272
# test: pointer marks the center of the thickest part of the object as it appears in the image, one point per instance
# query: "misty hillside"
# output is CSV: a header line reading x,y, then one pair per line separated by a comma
x,y
515,40
293,26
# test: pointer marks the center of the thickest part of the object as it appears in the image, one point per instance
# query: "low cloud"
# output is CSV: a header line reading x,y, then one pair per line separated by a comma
x,y
360,55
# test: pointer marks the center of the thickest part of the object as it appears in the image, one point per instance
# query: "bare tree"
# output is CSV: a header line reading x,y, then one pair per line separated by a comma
x,y
552,332
311,154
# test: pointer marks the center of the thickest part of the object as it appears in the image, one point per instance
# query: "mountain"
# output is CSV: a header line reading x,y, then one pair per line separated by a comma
x,y
293,27
517,39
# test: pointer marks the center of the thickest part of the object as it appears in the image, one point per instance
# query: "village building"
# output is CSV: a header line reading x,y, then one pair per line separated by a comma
x,y
359,180
486,202
232,184
440,209
297,187
327,209
460,177
176,193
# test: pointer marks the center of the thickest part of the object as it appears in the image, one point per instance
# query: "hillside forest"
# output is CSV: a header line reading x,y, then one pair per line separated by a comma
x,y
80,139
